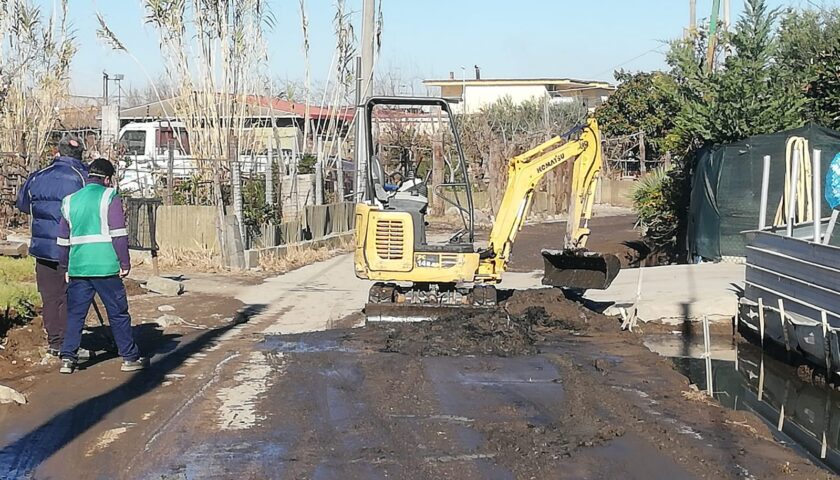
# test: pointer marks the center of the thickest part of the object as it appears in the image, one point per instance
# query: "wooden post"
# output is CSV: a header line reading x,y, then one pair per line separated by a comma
x,y
236,249
319,172
269,171
236,187
220,212
642,153
170,165
339,173
155,263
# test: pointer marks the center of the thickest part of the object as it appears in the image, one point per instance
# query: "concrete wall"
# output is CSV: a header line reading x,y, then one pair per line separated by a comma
x,y
297,193
615,192
479,96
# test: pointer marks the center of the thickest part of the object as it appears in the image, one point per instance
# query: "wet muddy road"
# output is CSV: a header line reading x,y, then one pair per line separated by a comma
x,y
561,394
587,404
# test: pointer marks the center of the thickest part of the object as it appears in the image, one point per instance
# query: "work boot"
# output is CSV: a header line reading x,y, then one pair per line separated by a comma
x,y
54,352
68,365
134,365
83,354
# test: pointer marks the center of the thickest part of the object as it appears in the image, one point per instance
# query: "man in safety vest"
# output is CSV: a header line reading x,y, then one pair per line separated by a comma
x,y
94,241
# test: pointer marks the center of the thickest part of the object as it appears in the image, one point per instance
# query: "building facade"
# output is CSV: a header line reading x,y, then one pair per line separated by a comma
x,y
471,95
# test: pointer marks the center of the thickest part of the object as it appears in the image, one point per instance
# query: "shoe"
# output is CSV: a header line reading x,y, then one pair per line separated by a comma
x,y
68,365
134,365
53,352
83,354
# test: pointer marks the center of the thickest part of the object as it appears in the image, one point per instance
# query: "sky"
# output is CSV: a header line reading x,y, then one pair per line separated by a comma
x,y
425,39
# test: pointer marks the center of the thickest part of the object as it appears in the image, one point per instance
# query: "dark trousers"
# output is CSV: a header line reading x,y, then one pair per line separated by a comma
x,y
53,289
111,291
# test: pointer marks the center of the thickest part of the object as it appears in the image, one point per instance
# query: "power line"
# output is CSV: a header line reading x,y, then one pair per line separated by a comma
x,y
652,50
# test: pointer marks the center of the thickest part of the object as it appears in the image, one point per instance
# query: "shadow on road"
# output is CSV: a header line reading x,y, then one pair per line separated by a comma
x,y
150,338
20,458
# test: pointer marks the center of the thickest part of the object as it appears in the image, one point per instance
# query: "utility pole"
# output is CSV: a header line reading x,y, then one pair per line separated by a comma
x,y
713,34
726,23
692,18
364,89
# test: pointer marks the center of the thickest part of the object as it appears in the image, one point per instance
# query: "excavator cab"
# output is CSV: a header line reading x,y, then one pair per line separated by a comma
x,y
429,269
400,170
392,241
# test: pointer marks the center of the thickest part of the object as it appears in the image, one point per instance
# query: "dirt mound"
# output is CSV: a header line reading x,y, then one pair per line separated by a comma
x,y
22,347
561,309
515,328
26,339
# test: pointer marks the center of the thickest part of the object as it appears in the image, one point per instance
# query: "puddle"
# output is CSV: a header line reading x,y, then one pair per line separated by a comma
x,y
304,343
799,413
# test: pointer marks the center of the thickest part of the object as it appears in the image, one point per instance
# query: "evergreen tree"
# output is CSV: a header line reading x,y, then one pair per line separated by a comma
x,y
642,102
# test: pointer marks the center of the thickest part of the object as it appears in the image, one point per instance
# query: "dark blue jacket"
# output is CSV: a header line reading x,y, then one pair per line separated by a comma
x,y
41,197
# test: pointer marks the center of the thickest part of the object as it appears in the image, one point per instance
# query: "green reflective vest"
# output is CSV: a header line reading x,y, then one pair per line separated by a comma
x,y
91,252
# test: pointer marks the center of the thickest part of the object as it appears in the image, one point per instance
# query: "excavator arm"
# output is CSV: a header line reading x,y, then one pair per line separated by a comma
x,y
525,171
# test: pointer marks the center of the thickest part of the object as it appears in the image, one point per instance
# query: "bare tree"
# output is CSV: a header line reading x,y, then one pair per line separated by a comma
x,y
163,86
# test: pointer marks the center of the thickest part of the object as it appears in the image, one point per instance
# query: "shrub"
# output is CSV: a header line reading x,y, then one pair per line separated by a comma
x,y
657,213
18,295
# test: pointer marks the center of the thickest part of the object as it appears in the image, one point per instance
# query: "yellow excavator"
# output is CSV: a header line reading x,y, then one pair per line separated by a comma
x,y
417,279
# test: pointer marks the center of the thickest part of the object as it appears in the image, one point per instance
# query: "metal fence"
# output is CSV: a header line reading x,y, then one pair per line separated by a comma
x,y
141,217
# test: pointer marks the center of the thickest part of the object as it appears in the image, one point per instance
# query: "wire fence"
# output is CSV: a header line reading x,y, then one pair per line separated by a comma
x,y
627,156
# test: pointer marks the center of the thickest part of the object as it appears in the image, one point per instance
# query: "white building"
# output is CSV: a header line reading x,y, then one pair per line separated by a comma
x,y
471,95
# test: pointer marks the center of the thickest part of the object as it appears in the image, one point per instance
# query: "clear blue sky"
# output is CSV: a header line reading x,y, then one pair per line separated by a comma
x,y
429,38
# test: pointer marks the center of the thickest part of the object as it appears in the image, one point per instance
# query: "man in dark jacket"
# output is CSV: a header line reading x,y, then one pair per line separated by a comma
x,y
41,198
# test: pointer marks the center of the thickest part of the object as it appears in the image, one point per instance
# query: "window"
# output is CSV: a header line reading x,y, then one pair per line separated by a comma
x,y
134,141
166,134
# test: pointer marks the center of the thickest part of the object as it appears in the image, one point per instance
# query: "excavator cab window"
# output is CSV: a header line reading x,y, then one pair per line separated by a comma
x,y
417,166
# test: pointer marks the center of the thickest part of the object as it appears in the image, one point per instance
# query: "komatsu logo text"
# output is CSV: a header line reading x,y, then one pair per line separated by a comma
x,y
554,161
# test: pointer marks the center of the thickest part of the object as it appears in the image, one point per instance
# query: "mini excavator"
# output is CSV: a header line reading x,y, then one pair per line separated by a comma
x,y
421,280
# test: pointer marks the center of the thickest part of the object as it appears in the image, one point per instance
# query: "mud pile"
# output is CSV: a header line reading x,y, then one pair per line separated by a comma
x,y
517,327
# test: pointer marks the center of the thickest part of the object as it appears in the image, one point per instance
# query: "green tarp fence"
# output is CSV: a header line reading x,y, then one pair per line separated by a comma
x,y
726,189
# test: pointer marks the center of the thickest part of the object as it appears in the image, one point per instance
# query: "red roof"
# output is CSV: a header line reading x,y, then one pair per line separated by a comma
x,y
316,112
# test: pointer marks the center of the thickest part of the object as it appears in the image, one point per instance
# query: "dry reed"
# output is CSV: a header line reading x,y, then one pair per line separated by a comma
x,y
297,256
35,61
197,259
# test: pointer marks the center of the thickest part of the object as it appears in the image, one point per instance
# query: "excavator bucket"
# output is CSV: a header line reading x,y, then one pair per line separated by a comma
x,y
579,269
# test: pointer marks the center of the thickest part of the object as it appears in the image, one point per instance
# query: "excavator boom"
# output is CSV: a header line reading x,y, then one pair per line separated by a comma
x,y
573,266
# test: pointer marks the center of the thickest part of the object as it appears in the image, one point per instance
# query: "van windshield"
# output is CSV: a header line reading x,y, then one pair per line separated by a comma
x,y
134,141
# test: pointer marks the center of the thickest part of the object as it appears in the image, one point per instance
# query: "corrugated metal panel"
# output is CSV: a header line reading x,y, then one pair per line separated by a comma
x,y
803,273
805,276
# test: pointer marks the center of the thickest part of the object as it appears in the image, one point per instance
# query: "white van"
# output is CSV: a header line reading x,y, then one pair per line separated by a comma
x,y
145,162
